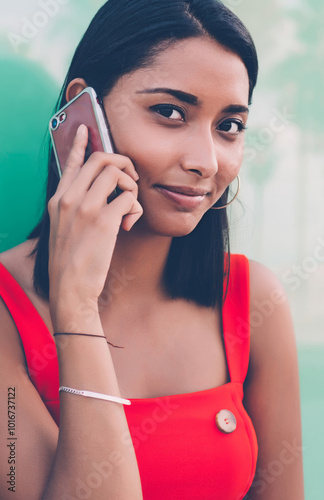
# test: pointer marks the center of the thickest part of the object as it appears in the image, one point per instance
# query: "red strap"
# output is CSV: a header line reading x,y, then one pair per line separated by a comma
x,y
38,343
236,319
40,349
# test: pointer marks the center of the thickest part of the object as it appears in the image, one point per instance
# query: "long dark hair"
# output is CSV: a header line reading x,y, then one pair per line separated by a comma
x,y
125,35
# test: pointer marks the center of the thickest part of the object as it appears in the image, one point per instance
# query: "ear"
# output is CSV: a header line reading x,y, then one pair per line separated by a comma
x,y
74,88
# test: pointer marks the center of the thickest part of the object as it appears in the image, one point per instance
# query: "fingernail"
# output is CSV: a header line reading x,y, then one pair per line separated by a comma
x,y
137,176
81,129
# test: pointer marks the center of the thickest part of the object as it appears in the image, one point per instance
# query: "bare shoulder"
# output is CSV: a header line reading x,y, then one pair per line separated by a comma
x,y
15,261
271,389
264,283
18,262
270,317
35,430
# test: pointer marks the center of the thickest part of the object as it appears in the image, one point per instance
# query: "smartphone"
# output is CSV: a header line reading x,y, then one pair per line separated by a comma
x,y
85,108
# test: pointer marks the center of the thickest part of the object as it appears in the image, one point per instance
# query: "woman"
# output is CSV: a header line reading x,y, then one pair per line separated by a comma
x,y
131,291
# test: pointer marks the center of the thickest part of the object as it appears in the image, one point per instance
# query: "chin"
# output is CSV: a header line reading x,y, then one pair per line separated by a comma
x,y
175,226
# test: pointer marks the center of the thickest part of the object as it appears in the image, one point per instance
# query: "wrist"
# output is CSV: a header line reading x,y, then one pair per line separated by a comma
x,y
76,325
72,316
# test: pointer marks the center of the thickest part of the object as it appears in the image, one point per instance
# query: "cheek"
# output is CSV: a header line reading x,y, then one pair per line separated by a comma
x,y
149,150
230,161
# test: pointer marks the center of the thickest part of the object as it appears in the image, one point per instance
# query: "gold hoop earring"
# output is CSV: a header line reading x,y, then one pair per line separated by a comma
x,y
236,194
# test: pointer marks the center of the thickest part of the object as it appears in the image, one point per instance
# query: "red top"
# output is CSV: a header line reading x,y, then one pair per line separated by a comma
x,y
181,453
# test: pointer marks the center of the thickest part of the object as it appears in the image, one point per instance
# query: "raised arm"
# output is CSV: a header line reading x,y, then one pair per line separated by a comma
x,y
83,234
91,452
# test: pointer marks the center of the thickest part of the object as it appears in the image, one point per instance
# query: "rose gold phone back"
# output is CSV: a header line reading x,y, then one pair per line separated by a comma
x,y
80,111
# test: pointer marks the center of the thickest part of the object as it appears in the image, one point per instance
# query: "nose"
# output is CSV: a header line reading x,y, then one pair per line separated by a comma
x,y
200,155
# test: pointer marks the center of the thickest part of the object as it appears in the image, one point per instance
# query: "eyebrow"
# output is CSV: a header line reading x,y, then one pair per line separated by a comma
x,y
178,94
236,108
192,99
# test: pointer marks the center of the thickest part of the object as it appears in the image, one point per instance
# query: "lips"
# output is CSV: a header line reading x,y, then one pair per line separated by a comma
x,y
188,191
186,198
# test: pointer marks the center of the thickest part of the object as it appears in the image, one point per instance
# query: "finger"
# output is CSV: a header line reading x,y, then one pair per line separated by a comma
x,y
125,209
123,163
75,160
130,219
76,156
104,185
94,167
99,160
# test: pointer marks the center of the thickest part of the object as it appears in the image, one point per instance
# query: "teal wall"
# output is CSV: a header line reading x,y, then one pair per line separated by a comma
x,y
27,97
281,219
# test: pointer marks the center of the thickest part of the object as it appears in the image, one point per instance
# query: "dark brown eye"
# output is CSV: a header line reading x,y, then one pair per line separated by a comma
x,y
232,127
169,111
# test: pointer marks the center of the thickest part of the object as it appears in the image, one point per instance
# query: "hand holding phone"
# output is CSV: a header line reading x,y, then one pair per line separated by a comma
x,y
85,109
84,228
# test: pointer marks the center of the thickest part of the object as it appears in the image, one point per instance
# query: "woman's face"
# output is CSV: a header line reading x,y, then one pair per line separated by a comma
x,y
181,122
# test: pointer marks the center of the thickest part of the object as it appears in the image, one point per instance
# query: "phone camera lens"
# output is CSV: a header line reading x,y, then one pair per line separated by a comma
x,y
54,124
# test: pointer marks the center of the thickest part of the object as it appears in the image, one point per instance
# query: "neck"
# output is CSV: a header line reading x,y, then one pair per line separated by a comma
x,y
136,269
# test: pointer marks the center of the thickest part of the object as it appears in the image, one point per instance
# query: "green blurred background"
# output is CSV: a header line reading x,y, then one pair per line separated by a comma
x,y
280,221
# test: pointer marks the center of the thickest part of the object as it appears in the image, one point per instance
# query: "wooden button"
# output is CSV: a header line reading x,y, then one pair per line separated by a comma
x,y
226,421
